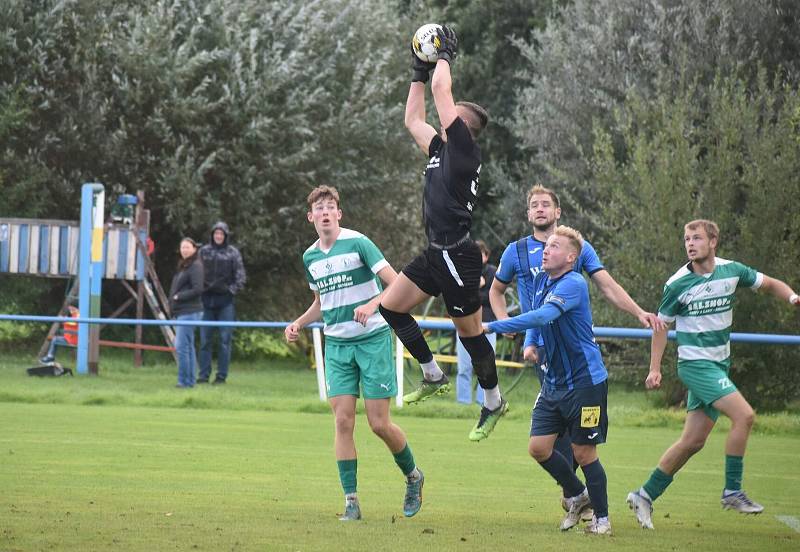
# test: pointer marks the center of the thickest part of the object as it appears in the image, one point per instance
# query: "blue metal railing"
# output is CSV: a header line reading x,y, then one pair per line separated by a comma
x,y
621,333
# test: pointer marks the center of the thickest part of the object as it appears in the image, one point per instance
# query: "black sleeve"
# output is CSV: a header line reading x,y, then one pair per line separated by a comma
x,y
435,145
240,277
459,138
195,273
488,275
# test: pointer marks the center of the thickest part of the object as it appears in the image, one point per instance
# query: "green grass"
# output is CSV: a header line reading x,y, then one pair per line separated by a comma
x,y
124,461
291,387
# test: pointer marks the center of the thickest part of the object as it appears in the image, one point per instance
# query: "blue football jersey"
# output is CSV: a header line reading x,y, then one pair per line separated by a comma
x,y
573,356
523,260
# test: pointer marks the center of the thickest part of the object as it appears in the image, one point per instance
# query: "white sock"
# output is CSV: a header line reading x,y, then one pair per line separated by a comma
x,y
492,398
644,494
351,497
431,370
414,475
726,492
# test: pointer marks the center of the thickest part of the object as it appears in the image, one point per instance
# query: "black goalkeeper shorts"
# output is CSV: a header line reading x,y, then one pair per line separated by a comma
x,y
453,273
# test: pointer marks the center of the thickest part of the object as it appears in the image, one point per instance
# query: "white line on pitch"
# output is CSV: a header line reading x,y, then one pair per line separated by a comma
x,y
791,521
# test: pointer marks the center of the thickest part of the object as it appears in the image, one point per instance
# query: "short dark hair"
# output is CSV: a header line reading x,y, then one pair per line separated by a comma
x,y
483,247
477,118
323,192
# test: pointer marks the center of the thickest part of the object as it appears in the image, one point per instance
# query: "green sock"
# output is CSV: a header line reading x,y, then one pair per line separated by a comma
x,y
657,484
734,467
347,474
405,460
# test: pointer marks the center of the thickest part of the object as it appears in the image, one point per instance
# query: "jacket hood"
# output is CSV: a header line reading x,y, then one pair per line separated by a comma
x,y
220,226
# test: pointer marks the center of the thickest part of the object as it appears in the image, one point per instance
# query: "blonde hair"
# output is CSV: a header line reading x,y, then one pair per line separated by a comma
x,y
574,237
538,189
711,228
323,192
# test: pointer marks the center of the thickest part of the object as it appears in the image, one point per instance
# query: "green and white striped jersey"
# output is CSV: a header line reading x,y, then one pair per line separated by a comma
x,y
702,307
345,277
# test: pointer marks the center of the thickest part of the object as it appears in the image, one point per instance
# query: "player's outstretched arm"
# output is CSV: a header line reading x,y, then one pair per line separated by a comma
x,y
421,131
780,289
312,314
531,319
658,343
617,296
442,83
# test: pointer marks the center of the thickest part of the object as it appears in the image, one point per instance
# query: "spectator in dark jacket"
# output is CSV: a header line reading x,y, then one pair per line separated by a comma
x,y
185,304
224,278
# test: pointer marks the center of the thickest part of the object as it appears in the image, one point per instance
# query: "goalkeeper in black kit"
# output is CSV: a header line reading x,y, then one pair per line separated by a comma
x,y
451,264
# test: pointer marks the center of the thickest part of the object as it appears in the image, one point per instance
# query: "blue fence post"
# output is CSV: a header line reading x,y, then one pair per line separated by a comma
x,y
90,274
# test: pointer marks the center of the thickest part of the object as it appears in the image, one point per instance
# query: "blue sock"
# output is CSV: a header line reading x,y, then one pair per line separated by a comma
x,y
562,472
596,483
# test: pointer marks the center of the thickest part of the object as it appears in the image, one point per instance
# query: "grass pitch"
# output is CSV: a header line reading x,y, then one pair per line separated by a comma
x,y
125,462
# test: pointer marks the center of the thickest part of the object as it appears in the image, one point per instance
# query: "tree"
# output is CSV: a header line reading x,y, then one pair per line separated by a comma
x,y
217,110
584,63
735,162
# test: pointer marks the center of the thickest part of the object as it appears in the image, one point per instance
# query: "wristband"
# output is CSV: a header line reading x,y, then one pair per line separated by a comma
x,y
793,298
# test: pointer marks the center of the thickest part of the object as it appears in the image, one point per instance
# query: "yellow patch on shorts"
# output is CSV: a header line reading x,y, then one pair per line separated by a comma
x,y
590,416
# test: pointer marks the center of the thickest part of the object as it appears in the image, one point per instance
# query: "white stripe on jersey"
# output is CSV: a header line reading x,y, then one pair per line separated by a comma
x,y
682,271
353,329
705,323
715,354
335,264
380,265
666,318
723,287
334,299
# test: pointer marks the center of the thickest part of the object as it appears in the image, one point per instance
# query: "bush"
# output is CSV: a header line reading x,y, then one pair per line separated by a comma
x,y
252,343
15,334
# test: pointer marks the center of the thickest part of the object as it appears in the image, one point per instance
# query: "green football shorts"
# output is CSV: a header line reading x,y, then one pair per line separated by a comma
x,y
369,362
707,382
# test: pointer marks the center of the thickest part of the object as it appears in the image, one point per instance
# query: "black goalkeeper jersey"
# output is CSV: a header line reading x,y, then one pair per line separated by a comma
x,y
451,185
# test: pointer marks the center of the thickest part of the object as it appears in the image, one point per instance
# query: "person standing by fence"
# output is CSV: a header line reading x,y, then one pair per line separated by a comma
x,y
185,304
224,277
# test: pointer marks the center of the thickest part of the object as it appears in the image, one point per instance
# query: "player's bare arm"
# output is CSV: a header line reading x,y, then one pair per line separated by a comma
x,y
421,131
497,299
441,86
780,289
312,314
442,82
617,296
658,344
362,312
